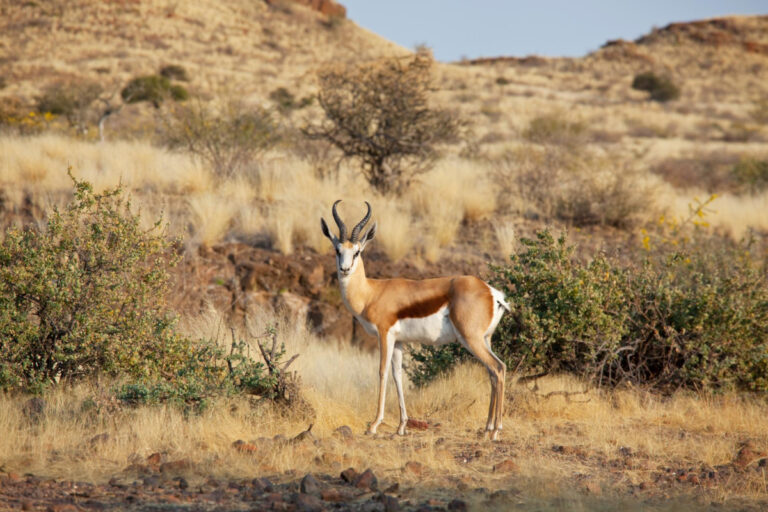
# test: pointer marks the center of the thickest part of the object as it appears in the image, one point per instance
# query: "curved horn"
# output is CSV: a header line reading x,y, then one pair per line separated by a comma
x,y
339,222
359,226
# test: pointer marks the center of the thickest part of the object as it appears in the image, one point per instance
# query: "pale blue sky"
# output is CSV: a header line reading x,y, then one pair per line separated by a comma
x,y
486,28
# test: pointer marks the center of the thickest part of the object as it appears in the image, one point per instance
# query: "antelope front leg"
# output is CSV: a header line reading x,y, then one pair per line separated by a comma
x,y
397,374
386,349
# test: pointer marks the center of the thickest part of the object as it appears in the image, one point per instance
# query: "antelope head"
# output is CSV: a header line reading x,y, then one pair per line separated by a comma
x,y
348,250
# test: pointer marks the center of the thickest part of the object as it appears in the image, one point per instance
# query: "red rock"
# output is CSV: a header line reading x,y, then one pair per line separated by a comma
x,y
331,494
155,459
244,447
417,424
413,468
367,480
506,466
694,479
349,475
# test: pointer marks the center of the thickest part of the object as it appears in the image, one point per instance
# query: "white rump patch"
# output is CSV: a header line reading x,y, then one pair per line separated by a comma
x,y
435,329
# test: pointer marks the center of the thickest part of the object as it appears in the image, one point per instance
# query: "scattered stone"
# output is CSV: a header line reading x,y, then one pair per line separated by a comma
x,y
367,480
26,505
244,447
262,484
151,481
506,466
310,485
308,503
644,486
413,468
155,459
747,455
417,424
457,505
344,432
182,483
372,506
331,494
349,475
391,504
62,507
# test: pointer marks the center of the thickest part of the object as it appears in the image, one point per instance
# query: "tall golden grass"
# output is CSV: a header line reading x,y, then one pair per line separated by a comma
x,y
283,200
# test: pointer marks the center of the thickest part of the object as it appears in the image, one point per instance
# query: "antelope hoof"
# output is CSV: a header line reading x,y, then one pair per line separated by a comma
x,y
401,429
495,435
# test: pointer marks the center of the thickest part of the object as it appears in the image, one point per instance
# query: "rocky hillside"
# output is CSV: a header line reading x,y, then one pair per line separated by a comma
x,y
240,46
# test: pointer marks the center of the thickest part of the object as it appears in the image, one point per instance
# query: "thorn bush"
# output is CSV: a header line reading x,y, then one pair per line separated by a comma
x,y
379,113
661,89
690,313
153,89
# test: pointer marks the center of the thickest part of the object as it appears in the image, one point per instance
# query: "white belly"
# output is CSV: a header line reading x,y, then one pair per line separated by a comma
x,y
435,329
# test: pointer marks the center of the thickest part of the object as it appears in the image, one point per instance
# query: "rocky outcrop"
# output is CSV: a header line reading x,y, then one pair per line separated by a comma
x,y
330,8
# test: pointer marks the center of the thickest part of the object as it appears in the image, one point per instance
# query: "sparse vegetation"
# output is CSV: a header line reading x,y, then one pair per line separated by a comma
x,y
287,102
175,72
71,100
228,139
556,128
751,174
661,89
380,114
153,89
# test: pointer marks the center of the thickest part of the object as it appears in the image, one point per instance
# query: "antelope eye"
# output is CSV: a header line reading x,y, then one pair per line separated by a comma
x,y
357,253
338,252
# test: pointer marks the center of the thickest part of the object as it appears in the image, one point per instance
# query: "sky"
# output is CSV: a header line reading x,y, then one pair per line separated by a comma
x,y
455,29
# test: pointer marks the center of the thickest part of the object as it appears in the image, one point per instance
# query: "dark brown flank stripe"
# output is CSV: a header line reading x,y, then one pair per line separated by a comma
x,y
424,308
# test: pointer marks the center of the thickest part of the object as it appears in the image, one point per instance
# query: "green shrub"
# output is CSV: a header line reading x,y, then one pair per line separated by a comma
x,y
286,101
85,296
153,89
661,89
566,316
174,72
692,312
751,174
209,371
227,139
70,100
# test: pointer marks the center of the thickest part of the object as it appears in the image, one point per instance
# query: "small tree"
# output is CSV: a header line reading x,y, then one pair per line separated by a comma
x,y
226,139
379,113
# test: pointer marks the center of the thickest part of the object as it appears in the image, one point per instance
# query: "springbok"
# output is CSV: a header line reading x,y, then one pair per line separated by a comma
x,y
429,311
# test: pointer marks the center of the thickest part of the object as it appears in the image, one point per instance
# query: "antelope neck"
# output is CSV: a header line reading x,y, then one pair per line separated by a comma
x,y
355,289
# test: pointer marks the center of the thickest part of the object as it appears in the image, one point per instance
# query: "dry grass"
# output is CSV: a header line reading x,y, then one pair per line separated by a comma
x,y
683,431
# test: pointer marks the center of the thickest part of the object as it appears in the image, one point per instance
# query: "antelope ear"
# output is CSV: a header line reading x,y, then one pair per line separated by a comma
x,y
327,232
368,236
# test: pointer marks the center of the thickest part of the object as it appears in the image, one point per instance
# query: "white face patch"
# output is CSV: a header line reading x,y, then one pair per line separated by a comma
x,y
347,258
